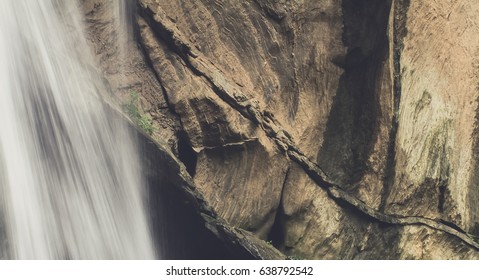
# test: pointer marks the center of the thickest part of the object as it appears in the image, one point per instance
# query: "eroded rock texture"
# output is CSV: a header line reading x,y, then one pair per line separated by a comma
x,y
336,129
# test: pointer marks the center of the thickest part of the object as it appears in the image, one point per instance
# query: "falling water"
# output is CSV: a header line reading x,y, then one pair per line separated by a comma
x,y
70,184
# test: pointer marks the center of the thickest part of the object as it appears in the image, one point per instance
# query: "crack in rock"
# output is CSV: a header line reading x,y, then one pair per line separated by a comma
x,y
234,96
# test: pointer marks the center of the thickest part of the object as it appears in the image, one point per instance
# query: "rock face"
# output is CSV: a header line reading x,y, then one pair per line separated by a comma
x,y
335,129
183,224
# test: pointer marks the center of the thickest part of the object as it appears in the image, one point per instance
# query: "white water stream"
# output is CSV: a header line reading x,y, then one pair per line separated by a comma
x,y
70,183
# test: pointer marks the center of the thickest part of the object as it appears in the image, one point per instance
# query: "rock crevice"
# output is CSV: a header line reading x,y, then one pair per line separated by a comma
x,y
250,109
334,129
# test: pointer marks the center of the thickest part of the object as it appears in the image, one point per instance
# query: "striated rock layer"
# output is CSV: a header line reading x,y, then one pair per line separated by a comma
x,y
335,129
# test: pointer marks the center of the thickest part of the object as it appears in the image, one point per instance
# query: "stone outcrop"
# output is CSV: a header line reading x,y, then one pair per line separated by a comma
x,y
334,129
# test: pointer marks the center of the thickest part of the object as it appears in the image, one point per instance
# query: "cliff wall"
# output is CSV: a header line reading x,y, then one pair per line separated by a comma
x,y
334,129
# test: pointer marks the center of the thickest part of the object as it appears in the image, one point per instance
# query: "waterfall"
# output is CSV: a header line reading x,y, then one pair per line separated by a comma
x,y
70,182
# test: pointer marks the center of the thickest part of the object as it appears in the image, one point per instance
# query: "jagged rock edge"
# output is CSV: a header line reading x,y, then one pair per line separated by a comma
x,y
264,119
236,240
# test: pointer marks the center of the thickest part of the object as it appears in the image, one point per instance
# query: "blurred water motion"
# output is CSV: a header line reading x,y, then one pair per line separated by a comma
x,y
70,184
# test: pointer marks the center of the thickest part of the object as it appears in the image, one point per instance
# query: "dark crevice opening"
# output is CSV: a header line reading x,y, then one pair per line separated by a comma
x,y
277,233
442,197
186,154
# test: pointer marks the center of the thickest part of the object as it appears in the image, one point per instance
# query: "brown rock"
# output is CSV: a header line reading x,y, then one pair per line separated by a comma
x,y
336,129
